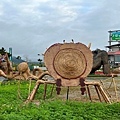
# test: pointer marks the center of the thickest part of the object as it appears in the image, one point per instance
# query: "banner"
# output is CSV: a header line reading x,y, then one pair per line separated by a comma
x,y
115,36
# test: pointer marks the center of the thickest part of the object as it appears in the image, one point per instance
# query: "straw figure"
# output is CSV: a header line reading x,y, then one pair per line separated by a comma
x,y
100,58
3,74
37,72
5,64
69,63
116,70
23,70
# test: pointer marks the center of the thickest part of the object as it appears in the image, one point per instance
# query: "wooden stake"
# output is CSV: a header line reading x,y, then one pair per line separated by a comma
x,y
67,92
115,87
89,93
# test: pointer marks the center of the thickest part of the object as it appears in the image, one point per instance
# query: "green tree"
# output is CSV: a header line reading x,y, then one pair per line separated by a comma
x,y
40,62
3,52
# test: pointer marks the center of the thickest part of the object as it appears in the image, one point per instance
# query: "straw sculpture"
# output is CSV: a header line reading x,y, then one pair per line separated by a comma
x,y
5,64
69,63
23,72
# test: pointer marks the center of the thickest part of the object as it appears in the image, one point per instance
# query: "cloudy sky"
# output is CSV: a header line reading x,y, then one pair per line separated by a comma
x,y
31,26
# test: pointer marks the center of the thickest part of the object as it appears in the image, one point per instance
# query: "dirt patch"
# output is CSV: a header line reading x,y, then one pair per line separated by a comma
x,y
110,85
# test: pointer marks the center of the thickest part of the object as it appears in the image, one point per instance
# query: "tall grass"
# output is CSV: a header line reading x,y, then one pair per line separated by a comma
x,y
13,108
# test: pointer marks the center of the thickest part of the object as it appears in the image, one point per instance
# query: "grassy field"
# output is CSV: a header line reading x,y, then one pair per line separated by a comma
x,y
12,106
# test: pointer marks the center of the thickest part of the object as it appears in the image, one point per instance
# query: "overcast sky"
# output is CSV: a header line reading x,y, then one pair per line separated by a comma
x,y
31,26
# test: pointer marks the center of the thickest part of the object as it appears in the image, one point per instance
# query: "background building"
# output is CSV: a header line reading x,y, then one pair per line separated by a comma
x,y
114,48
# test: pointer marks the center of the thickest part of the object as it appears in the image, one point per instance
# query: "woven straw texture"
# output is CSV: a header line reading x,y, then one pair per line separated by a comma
x,y
68,61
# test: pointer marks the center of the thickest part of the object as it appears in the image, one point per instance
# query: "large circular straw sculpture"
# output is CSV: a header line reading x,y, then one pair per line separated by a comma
x,y
68,62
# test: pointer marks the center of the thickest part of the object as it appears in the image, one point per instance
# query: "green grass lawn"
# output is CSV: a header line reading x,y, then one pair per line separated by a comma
x,y
13,108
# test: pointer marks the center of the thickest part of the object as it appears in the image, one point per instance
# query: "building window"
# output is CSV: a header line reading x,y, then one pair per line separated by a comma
x,y
117,58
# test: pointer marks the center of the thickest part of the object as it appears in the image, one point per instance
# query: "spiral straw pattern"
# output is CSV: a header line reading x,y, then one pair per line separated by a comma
x,y
70,63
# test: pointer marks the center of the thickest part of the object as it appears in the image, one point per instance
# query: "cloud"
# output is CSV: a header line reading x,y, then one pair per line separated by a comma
x,y
31,26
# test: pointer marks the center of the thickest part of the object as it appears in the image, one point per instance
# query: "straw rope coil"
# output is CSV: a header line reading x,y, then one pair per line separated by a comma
x,y
69,63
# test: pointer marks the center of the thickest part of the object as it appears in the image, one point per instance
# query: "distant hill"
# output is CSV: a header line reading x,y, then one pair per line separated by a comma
x,y
16,61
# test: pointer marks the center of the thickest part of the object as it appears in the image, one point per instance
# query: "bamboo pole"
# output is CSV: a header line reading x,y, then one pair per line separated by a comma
x,y
45,90
104,95
89,93
32,94
52,90
115,87
96,88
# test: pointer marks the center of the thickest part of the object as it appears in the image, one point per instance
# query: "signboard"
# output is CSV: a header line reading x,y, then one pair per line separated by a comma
x,y
115,36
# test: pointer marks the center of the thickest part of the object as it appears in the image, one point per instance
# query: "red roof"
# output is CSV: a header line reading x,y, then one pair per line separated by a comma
x,y
117,52
114,53
111,53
